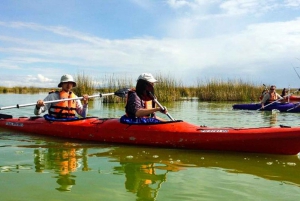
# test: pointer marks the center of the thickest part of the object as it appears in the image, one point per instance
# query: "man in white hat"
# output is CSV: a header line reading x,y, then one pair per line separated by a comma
x,y
137,106
63,109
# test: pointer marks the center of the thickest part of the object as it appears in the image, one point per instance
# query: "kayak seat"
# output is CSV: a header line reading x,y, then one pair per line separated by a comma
x,y
141,120
283,126
51,118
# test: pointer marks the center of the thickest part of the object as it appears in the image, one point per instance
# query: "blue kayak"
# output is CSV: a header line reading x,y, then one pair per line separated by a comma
x,y
282,107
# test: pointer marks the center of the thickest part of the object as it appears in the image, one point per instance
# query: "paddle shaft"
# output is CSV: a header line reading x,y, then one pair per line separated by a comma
x,y
296,72
161,107
279,99
297,105
55,101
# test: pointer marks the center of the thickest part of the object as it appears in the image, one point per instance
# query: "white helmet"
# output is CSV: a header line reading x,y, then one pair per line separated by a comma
x,y
66,78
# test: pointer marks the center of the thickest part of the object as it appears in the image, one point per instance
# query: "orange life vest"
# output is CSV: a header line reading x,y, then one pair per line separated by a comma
x,y
147,104
273,97
64,109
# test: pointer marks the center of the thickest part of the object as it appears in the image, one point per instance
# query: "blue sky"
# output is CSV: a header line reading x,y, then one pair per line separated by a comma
x,y
190,40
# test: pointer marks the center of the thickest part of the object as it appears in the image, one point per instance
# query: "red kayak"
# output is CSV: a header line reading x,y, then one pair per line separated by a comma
x,y
172,134
293,98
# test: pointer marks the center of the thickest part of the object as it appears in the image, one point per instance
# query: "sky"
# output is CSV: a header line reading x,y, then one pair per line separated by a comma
x,y
189,40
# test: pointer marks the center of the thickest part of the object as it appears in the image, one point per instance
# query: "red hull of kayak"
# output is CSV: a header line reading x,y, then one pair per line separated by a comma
x,y
179,134
293,98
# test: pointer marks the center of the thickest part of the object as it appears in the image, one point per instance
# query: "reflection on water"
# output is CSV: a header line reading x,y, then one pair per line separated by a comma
x,y
141,179
270,116
64,161
145,169
141,176
73,170
147,173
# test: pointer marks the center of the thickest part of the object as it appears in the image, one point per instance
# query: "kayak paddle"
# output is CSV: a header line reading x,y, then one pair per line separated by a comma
x,y
121,93
296,105
279,99
5,116
161,107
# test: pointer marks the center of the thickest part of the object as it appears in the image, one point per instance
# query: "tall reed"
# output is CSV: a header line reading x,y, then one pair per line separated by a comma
x,y
230,90
84,85
22,90
111,84
167,88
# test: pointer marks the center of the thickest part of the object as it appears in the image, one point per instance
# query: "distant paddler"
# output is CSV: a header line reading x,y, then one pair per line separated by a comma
x,y
271,97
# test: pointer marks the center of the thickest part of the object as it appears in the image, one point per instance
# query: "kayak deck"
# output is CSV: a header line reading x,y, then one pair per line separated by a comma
x,y
282,107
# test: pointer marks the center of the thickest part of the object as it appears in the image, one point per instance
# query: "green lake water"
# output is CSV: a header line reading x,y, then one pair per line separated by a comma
x,y
43,168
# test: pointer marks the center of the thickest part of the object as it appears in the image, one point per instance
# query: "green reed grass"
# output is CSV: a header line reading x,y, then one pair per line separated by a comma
x,y
230,90
167,89
84,85
22,90
111,84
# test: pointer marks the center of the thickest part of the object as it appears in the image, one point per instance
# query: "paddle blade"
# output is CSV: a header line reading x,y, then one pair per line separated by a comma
x,y
122,92
5,116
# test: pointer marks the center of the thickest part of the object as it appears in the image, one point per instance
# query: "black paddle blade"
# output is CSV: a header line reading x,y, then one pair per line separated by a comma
x,y
5,116
122,92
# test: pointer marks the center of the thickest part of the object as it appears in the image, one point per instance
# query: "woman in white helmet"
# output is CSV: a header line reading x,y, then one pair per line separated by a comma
x,y
140,107
63,109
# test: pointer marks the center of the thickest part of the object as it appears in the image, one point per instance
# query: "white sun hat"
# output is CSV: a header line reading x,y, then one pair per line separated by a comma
x,y
148,77
66,78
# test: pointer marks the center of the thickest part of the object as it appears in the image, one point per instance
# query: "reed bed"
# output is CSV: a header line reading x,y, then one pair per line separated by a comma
x,y
23,90
166,90
230,90
111,84
84,85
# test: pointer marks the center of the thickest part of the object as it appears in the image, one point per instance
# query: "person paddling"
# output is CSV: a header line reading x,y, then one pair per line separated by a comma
x,y
263,93
139,106
270,97
284,92
63,109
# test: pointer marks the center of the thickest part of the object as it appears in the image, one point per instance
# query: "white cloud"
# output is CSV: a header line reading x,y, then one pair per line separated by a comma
x,y
193,4
238,7
42,78
5,64
145,4
248,51
38,80
292,3
192,11
232,7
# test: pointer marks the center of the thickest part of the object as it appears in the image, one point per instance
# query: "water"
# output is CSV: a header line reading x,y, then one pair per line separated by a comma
x,y
42,168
